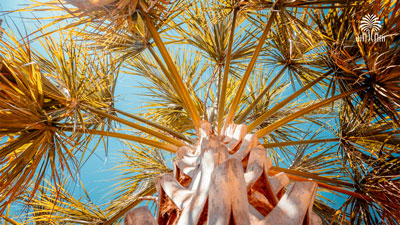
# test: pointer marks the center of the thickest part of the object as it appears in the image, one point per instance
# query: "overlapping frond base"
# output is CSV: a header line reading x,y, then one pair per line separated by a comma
x,y
224,180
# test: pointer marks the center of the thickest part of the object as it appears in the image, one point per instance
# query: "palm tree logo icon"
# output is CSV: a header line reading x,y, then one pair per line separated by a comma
x,y
370,24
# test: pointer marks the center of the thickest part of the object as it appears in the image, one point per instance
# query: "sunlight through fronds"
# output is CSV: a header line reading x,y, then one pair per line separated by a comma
x,y
287,79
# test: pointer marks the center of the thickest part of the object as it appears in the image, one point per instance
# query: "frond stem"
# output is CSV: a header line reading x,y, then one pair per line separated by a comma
x,y
156,125
281,104
260,96
221,105
312,176
274,171
181,87
303,142
167,147
138,127
163,69
291,117
249,69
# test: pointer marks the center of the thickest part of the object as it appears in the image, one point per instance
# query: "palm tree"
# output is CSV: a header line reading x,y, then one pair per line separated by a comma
x,y
258,112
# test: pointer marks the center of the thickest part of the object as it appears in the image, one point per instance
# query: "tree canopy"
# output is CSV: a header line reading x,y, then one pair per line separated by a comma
x,y
322,101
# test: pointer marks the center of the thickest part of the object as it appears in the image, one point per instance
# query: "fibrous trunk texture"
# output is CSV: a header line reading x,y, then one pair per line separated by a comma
x,y
224,180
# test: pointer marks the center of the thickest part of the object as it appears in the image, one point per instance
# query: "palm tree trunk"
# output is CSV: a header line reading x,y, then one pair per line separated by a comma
x,y
224,180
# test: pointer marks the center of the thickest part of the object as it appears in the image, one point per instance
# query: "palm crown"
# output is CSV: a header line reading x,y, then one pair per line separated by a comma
x,y
286,80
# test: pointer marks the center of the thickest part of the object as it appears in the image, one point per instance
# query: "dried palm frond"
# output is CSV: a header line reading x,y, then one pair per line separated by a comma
x,y
209,32
41,106
116,14
123,43
170,106
369,158
370,64
138,171
222,78
113,25
264,4
253,7
378,180
376,138
296,45
54,205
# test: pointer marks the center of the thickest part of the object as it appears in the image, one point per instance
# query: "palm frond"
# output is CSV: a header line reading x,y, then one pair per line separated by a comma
x,y
55,205
138,171
39,98
170,106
